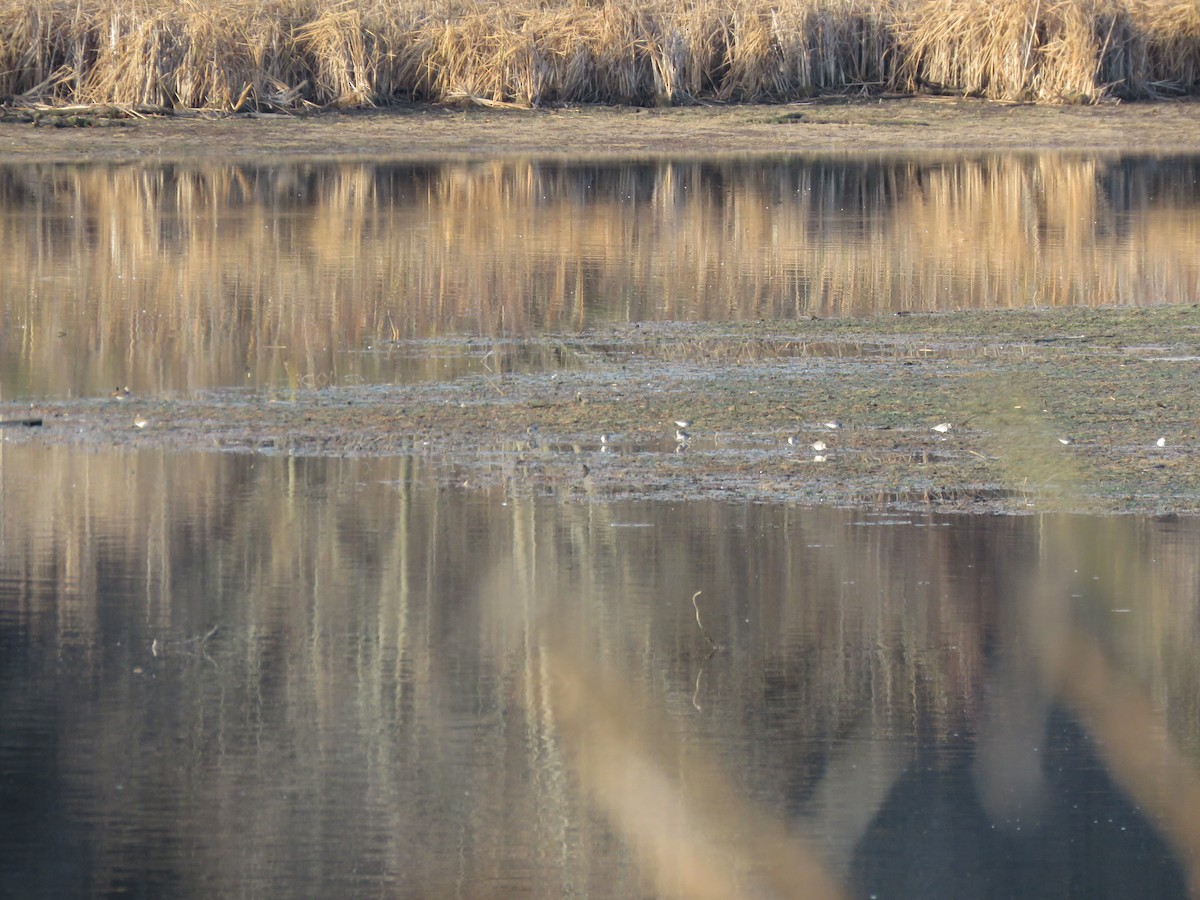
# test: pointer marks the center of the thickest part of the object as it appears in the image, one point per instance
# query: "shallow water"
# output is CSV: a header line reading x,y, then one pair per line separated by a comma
x,y
234,675
181,278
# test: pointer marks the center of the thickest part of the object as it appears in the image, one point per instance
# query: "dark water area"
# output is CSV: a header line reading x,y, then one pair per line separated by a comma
x,y
181,278
278,674
236,675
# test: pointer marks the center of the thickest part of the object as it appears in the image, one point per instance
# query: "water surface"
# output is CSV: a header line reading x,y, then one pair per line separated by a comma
x,y
253,674
227,675
181,278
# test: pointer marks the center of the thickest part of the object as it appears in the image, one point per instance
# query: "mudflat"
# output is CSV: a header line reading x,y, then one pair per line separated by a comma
x,y
1078,410
845,126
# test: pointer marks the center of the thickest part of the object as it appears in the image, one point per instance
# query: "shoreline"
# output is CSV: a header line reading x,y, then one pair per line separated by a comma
x,y
842,127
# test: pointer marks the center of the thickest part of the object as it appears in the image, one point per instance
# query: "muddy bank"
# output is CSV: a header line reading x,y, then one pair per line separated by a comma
x,y
1058,410
901,125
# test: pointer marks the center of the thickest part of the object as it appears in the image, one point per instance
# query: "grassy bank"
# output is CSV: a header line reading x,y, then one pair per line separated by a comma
x,y
291,53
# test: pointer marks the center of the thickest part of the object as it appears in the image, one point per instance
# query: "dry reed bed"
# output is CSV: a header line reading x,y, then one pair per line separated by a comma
x,y
294,53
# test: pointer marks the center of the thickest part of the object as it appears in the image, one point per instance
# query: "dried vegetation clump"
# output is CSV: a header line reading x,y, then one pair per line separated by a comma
x,y
276,54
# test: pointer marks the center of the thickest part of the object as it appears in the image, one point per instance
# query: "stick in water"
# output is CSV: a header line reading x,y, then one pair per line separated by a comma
x,y
696,606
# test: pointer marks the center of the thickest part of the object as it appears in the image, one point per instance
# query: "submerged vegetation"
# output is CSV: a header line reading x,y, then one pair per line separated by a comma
x,y
287,54
1008,412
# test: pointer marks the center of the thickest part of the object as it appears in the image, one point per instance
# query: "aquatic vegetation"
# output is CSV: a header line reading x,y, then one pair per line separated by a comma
x,y
287,54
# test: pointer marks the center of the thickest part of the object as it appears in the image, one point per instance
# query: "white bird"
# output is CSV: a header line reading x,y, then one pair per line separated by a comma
x,y
818,458
683,424
943,427
1161,442
681,436
819,446
793,440
1066,441
832,424
140,423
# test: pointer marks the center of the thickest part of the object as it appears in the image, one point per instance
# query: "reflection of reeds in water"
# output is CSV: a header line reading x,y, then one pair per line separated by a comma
x,y
283,53
1076,655
367,642
179,278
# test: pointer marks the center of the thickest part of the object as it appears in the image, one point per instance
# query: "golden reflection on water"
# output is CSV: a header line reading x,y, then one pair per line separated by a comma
x,y
420,690
178,278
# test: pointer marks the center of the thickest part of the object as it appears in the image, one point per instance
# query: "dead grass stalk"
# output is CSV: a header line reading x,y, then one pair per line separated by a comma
x,y
292,53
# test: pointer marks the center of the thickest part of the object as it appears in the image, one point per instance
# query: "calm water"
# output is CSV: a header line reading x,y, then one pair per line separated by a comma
x,y
266,676
226,675
182,278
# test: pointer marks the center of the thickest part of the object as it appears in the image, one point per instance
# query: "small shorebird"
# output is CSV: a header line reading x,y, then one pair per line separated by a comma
x,y
943,427
793,440
120,393
1161,442
819,446
682,436
832,424
1066,441
606,442
819,458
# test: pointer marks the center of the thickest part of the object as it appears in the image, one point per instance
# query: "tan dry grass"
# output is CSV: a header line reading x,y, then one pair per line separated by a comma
x,y
1065,51
288,53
